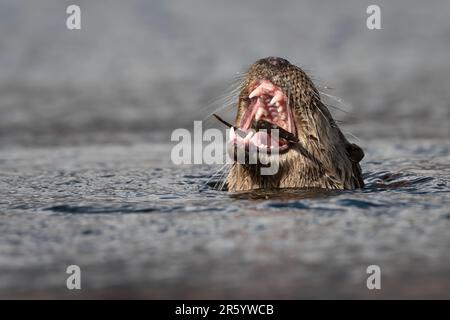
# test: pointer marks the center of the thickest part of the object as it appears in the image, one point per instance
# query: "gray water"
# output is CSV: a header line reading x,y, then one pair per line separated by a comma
x,y
86,176
139,227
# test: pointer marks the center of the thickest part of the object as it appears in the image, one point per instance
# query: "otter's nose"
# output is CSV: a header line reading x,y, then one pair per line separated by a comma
x,y
277,62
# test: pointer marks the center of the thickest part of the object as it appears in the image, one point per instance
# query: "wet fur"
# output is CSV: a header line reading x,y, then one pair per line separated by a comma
x,y
323,158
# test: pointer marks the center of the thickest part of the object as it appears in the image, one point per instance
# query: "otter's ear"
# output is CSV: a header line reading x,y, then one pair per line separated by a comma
x,y
355,153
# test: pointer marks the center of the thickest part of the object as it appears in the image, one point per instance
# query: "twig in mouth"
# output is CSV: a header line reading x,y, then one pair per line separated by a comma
x,y
261,124
223,121
229,125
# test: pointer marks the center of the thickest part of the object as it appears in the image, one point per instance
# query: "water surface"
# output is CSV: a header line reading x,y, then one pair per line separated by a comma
x,y
139,226
85,170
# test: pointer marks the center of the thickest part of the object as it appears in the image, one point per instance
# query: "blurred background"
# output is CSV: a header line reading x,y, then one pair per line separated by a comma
x,y
138,69
85,172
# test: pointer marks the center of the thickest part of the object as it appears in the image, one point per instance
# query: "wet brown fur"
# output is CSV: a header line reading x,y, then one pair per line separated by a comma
x,y
323,158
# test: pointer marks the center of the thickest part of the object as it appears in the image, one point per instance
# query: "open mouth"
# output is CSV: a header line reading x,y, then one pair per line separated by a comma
x,y
268,111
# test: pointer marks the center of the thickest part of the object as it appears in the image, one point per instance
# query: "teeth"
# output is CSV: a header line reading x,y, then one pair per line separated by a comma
x,y
259,113
277,97
267,85
232,134
264,87
256,92
280,109
273,101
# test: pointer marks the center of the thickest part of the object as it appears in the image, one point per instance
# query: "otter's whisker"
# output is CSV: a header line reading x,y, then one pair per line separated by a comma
x,y
221,181
208,119
224,180
226,102
334,107
328,105
227,98
325,87
335,98
215,174
225,108
351,134
223,103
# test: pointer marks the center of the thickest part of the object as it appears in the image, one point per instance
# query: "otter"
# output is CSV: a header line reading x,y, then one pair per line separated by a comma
x,y
312,150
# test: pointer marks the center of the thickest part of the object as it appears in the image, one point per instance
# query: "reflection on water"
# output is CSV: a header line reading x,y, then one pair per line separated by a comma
x,y
284,194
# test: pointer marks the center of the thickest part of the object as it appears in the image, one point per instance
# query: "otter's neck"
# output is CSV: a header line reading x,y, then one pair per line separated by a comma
x,y
292,173
299,169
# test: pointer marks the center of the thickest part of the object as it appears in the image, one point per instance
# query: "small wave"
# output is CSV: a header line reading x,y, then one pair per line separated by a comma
x,y
392,180
362,204
98,209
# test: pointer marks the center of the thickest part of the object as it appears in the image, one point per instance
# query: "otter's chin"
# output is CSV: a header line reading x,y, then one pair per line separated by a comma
x,y
267,125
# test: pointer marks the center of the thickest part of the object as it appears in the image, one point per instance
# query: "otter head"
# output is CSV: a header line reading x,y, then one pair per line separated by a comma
x,y
308,148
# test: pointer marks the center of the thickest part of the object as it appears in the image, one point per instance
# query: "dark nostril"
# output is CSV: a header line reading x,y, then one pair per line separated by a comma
x,y
275,61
